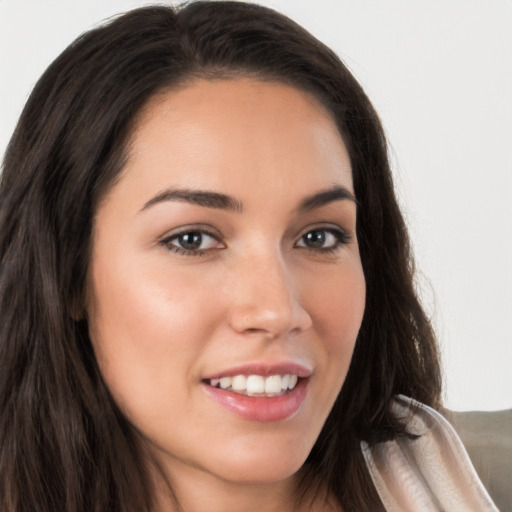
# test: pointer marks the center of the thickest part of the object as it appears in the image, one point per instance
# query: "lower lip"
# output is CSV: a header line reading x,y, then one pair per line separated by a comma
x,y
257,408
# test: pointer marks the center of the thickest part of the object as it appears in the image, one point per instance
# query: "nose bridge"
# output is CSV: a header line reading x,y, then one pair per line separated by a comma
x,y
266,299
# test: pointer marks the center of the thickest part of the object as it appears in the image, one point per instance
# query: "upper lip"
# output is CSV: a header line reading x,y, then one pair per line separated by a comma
x,y
263,369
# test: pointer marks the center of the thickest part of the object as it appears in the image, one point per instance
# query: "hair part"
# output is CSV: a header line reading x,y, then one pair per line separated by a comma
x,y
64,444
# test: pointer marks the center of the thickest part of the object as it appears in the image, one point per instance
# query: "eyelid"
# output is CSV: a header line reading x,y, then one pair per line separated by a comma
x,y
326,226
343,236
188,228
203,229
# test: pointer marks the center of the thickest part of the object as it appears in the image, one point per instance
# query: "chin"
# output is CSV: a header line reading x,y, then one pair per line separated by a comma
x,y
263,464
257,473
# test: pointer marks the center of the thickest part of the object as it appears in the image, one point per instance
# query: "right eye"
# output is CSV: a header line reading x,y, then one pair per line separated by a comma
x,y
192,243
323,239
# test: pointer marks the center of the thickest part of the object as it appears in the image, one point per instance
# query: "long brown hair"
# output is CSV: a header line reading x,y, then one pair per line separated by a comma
x,y
64,445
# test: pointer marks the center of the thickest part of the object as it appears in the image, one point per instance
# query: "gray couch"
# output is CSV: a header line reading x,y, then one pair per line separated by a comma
x,y
487,437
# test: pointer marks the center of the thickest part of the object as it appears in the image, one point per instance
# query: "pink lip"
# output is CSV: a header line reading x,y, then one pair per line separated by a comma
x,y
263,369
256,408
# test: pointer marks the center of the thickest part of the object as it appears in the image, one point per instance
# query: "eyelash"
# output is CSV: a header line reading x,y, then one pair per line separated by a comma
x,y
341,238
168,242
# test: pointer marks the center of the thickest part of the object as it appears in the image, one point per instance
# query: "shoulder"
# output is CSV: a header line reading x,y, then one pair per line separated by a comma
x,y
428,470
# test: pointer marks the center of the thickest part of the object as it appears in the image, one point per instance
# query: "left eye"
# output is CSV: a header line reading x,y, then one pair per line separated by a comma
x,y
191,241
322,239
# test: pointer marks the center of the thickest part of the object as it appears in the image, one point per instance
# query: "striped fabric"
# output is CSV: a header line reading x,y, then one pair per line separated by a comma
x,y
429,473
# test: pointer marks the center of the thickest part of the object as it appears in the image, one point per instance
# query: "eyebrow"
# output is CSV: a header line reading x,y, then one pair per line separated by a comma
x,y
319,199
199,197
220,201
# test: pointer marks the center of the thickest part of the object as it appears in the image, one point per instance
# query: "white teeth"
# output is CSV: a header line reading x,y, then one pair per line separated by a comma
x,y
273,384
239,383
256,384
225,382
292,381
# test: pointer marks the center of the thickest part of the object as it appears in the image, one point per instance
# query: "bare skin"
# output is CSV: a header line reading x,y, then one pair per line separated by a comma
x,y
228,248
250,498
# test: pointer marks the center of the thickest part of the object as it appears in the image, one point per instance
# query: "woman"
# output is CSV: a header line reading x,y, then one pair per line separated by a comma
x,y
206,289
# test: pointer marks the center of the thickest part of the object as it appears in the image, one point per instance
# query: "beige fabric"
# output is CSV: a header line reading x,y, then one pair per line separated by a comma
x,y
487,437
431,473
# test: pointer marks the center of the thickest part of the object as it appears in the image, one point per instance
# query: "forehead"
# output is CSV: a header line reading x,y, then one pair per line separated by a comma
x,y
227,133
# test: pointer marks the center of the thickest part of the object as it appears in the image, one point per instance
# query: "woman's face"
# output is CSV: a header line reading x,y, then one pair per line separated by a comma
x,y
225,287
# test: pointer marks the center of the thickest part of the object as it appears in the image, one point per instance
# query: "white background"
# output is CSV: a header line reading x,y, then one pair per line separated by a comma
x,y
440,74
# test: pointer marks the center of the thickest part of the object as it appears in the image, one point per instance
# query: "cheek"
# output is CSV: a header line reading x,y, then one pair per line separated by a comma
x,y
338,306
337,310
130,299
146,334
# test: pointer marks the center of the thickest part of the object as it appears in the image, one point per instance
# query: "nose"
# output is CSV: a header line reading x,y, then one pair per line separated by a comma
x,y
265,299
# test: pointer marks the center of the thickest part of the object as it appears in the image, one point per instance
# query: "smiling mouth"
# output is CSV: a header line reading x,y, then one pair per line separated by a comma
x,y
256,385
